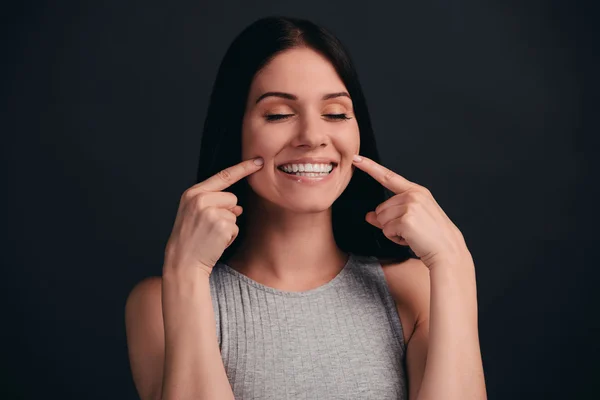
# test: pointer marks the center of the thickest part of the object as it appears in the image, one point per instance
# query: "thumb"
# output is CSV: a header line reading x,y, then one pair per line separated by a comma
x,y
371,218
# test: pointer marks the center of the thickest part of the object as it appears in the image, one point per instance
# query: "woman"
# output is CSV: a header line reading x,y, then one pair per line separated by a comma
x,y
288,273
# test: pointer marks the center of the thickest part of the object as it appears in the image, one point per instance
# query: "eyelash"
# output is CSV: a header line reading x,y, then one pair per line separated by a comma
x,y
279,117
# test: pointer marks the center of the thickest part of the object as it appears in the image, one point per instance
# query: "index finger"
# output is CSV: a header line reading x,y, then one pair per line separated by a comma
x,y
383,175
227,177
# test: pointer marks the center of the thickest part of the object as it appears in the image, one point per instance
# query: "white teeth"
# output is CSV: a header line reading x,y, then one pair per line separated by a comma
x,y
311,174
319,168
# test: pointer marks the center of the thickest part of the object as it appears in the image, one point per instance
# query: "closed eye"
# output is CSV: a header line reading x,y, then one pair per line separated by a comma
x,y
276,117
337,116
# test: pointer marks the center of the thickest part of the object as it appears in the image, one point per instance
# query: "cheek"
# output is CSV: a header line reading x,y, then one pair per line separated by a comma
x,y
259,140
259,145
356,140
348,142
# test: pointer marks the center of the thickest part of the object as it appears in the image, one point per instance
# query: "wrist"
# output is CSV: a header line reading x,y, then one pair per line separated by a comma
x,y
462,259
186,272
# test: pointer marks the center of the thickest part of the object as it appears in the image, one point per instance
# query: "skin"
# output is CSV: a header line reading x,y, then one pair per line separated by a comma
x,y
444,362
285,218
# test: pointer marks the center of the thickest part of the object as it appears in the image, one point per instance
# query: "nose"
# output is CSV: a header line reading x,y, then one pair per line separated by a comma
x,y
311,134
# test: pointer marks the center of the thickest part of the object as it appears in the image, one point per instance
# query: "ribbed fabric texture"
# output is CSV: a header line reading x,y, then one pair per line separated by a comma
x,y
342,340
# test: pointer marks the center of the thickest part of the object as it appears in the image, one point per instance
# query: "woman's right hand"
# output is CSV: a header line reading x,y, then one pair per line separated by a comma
x,y
205,222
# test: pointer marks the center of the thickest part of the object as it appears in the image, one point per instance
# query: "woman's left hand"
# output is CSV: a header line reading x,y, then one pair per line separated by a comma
x,y
413,218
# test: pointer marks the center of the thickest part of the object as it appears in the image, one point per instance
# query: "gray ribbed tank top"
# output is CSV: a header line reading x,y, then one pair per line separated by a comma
x,y
342,340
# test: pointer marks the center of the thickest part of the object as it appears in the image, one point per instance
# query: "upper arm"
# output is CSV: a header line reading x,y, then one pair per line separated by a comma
x,y
410,286
416,357
145,337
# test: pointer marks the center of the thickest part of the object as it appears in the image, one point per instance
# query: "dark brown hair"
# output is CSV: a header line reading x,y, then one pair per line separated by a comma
x,y
251,50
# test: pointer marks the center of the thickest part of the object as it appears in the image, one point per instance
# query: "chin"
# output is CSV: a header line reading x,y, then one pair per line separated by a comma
x,y
297,203
306,207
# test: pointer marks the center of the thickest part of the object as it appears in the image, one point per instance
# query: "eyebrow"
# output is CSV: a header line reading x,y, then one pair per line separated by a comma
x,y
294,97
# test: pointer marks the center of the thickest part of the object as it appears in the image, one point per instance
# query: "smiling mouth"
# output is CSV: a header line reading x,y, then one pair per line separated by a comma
x,y
290,171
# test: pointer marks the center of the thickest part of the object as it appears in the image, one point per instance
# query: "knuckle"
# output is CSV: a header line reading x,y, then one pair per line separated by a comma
x,y
408,218
211,214
233,236
424,190
389,175
414,196
389,230
222,225
225,175
421,190
200,201
458,232
411,208
187,196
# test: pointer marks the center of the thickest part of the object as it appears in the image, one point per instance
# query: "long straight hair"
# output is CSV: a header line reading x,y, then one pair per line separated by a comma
x,y
221,140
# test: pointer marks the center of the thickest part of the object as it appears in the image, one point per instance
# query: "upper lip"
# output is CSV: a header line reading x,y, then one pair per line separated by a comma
x,y
320,160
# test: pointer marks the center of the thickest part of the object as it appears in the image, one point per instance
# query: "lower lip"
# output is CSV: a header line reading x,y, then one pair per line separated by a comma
x,y
311,180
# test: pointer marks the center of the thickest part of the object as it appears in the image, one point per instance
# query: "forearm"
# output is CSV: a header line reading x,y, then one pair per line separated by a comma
x,y
193,367
454,368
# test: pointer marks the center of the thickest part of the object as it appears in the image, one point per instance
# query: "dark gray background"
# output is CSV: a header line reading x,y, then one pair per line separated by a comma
x,y
489,104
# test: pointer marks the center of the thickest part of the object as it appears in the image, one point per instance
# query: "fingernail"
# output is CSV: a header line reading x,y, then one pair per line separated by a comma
x,y
357,158
258,161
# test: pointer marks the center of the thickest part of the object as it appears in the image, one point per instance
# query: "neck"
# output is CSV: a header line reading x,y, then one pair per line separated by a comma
x,y
288,250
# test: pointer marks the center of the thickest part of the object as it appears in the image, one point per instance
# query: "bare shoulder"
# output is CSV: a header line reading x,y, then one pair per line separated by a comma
x,y
145,336
143,299
410,287
146,286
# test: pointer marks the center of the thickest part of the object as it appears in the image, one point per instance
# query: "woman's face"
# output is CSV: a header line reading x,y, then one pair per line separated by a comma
x,y
299,112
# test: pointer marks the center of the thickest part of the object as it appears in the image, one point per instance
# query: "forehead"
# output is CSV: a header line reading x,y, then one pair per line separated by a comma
x,y
301,71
